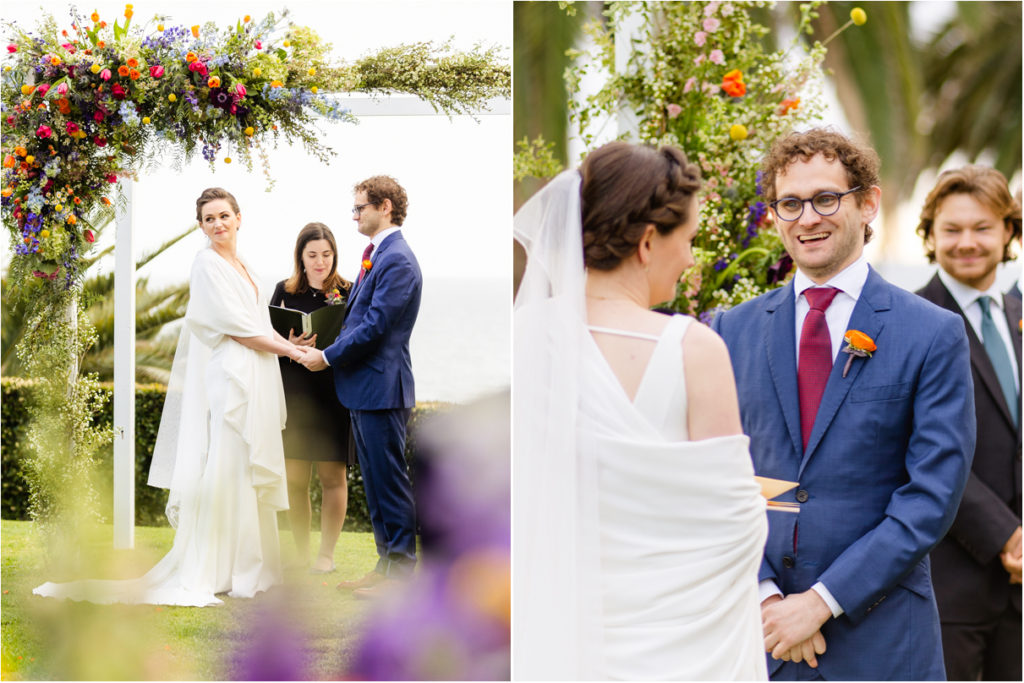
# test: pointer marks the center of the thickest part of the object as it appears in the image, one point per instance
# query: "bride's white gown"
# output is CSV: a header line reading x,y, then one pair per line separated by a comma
x,y
681,527
219,452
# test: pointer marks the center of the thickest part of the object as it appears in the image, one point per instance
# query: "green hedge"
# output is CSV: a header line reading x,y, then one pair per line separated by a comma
x,y
149,501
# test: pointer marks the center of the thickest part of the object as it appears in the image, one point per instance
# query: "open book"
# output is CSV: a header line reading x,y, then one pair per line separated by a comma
x,y
324,322
770,488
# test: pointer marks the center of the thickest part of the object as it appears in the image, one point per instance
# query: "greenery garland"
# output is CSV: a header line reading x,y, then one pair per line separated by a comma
x,y
86,105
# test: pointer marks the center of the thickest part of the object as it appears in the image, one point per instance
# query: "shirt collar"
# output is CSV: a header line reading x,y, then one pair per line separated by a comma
x,y
965,295
850,280
383,235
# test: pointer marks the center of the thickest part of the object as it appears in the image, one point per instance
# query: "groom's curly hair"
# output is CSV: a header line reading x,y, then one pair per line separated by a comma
x,y
381,187
627,187
860,161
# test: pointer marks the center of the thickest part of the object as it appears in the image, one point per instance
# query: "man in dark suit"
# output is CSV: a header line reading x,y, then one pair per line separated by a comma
x,y
373,375
880,441
968,222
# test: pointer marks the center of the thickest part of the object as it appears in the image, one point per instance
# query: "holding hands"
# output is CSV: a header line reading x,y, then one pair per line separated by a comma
x,y
313,359
1011,556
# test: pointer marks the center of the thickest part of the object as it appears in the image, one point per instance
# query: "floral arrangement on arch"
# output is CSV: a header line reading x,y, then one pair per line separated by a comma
x,y
85,105
701,77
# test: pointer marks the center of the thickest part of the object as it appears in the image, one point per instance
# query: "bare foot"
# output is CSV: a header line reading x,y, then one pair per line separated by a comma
x,y
323,564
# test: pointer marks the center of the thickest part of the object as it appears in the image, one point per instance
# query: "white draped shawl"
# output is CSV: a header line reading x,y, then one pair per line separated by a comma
x,y
222,304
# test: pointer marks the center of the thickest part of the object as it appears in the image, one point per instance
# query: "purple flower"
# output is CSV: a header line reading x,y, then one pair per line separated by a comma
x,y
778,271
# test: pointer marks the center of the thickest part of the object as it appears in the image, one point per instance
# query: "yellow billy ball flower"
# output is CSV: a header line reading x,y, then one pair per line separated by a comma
x,y
250,130
59,207
27,89
44,233
858,16
172,97
30,159
227,160
95,68
315,89
312,71
145,119
738,132
257,71
160,27
286,43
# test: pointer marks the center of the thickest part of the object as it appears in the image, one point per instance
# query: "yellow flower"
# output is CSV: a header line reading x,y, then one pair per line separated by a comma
x,y
286,43
257,71
55,60
195,31
227,160
315,89
30,159
58,208
214,82
95,16
128,13
172,97
738,132
858,16
160,27
250,130
44,233
312,71
145,119
95,68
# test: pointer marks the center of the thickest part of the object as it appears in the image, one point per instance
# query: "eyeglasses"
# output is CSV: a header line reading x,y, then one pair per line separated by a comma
x,y
823,203
358,208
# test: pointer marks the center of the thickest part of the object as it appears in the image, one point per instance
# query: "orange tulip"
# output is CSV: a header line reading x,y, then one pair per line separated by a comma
x,y
195,31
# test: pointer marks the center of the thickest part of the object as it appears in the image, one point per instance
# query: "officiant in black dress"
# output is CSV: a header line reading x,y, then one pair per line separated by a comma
x,y
318,427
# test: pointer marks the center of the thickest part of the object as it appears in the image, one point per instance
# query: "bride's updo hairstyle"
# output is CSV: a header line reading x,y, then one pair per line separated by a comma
x,y
627,187
213,193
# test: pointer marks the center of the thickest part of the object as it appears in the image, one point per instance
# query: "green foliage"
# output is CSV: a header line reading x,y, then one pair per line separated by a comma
x,y
703,76
535,158
149,501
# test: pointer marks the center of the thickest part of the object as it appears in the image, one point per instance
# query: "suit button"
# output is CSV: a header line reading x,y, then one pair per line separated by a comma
x,y
788,562
802,496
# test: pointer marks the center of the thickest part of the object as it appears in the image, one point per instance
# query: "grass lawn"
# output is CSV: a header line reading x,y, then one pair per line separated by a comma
x,y
56,639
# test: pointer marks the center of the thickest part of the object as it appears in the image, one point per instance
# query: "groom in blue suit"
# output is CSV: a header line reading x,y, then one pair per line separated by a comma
x,y
880,444
373,375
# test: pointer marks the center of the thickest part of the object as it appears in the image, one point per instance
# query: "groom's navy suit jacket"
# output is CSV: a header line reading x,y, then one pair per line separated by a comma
x,y
880,479
370,358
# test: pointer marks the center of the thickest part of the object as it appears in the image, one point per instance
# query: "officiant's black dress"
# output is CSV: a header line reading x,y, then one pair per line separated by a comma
x,y
318,427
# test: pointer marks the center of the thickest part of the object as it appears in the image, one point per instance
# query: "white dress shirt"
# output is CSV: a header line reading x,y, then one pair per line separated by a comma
x,y
850,282
967,297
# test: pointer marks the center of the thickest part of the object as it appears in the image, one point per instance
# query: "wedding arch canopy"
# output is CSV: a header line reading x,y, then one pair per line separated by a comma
x,y
87,108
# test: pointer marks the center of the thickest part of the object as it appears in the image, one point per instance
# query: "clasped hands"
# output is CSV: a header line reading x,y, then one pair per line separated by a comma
x,y
306,351
792,626
1011,556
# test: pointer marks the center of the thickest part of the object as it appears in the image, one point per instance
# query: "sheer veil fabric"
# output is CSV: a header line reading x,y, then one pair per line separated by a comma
x,y
219,452
635,554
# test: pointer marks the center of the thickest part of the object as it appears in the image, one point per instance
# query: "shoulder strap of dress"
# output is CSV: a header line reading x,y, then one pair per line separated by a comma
x,y
623,333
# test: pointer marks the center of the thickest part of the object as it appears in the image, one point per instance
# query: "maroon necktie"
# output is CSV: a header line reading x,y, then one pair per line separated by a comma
x,y
366,256
815,357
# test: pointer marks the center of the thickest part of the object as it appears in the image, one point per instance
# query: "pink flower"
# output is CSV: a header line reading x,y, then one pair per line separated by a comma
x,y
717,57
105,74
711,24
258,45
198,67
674,110
699,38
62,89
156,71
72,127
12,48
690,83
240,90
118,91
89,235
111,178
44,131
699,59
98,116
43,89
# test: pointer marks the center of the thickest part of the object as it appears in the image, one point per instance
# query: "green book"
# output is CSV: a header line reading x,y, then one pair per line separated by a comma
x,y
324,322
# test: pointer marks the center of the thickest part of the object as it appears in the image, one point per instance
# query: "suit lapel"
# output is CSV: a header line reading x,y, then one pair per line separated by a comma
x,y
874,300
780,335
1012,307
358,288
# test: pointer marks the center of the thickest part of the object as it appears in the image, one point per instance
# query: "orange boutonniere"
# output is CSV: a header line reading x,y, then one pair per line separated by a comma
x,y
857,344
367,264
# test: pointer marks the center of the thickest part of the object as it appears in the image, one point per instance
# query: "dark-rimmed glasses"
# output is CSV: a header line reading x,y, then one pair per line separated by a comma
x,y
824,204
357,210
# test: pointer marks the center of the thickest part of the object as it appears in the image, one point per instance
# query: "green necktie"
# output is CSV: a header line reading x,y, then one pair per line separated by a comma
x,y
996,350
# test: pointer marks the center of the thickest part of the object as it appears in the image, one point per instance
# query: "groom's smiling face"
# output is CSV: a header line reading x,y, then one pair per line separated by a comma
x,y
822,246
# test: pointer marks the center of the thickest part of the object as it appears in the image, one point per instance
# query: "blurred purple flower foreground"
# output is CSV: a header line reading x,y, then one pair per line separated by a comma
x,y
452,621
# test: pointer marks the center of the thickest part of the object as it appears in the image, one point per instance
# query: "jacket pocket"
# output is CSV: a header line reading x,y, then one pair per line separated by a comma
x,y
885,392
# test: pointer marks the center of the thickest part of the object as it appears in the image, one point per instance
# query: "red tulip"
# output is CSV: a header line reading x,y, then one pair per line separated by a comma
x,y
240,90
117,91
12,48
89,235
43,89
156,71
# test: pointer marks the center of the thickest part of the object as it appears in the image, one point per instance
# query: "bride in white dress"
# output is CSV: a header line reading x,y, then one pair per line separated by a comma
x,y
219,445
638,526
